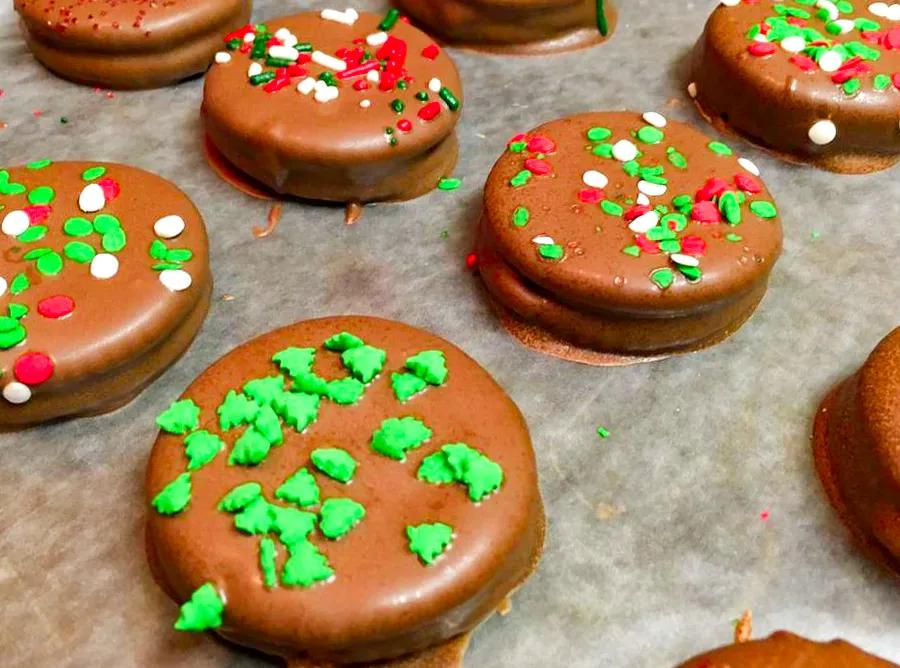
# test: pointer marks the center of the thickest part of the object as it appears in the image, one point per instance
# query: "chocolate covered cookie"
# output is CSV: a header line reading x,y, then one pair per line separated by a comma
x,y
816,82
786,650
128,43
104,283
617,233
856,443
343,490
335,105
516,26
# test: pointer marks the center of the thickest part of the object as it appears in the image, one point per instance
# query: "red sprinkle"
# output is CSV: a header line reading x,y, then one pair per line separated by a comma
x,y
38,214
765,515
706,212
56,307
747,183
892,39
761,49
33,368
647,246
591,196
710,189
693,245
404,125
431,51
541,145
430,111
110,188
636,211
805,63
538,167
519,137
471,261
895,79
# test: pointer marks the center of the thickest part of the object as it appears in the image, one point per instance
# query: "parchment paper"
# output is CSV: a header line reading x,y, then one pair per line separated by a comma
x,y
656,540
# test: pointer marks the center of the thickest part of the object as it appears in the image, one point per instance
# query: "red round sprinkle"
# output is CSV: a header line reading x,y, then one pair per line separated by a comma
x,y
706,212
591,195
710,189
37,214
647,246
541,145
404,125
761,49
471,261
693,245
110,188
519,137
431,51
747,183
33,368
538,167
56,307
636,211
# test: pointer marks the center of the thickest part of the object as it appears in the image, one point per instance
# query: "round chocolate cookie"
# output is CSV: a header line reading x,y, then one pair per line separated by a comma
x,y
815,82
516,26
625,234
330,493
786,650
336,105
856,443
104,284
128,43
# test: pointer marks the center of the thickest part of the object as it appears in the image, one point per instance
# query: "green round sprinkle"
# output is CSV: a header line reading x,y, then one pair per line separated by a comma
x,y
339,516
41,195
104,223
78,227
79,252
203,612
719,148
398,106
521,216
852,86
50,264
882,82
551,251
429,541
611,208
763,209
449,184
603,150
517,147
650,135
336,463
520,179
174,497
93,173
39,164
599,134
114,240
32,234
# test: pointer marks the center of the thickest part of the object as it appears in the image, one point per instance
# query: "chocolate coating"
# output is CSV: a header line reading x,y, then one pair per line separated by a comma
x,y
383,603
336,150
786,650
125,330
774,102
515,26
128,44
595,295
857,451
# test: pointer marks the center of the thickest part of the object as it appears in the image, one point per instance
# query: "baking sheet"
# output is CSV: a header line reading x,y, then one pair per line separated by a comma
x,y
656,536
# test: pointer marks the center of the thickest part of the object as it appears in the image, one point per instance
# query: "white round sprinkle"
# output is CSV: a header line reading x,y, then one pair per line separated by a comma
x,y
284,52
823,132
282,33
104,266
655,119
749,165
652,189
435,85
377,38
830,61
223,57
644,223
175,279
793,44
846,25
543,240
249,37
893,13
595,179
290,40
692,89
731,3
624,151
91,198
254,69
760,38
642,199
169,227
365,104
306,86
3,286
15,222
686,260
327,94
879,9
16,393
374,76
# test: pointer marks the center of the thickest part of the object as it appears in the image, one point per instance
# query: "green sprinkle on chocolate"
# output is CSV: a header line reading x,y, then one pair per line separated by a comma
x,y
295,361
180,418
611,208
430,366
256,518
650,135
240,497
429,541
236,410
463,464
93,173
41,195
201,448
398,435
174,497
551,251
364,362
269,426
39,164
520,179
406,386
599,134
267,562
265,391
300,489
764,209
305,565
339,516
292,526
298,410
521,216
436,470
336,463
251,449
663,278
343,341
346,391
311,383
720,148
202,612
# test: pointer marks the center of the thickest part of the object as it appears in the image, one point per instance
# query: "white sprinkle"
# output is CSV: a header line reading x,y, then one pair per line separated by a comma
x,y
374,76
16,393
829,7
879,9
830,61
325,60
543,240
365,104
749,165
169,227
3,286
893,12
644,223
793,44
731,3
759,37
104,266
284,52
329,94
823,132
435,85
254,69
223,57
282,33
347,17
376,38
846,25
91,198
175,280
15,222
685,260
594,179
655,119
642,199
306,86
624,151
250,37
652,189
692,90
290,40
321,86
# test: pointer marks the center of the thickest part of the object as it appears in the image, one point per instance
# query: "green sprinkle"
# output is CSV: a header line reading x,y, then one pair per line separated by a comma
x,y
406,386
41,195
852,86
398,106
430,366
346,391
335,463
603,432
174,497
32,234
298,410
881,82
311,383
551,251
474,469
390,20
650,135
39,164
364,362
114,240
93,173
339,516
733,237
663,278
267,562
719,148
256,518
633,251
398,435
105,223
343,341
599,134
78,227
19,284
611,208
520,179
429,541
180,418
268,425
305,565
300,489
292,526
449,184
603,150
449,99
201,447
763,209
236,410
240,497
262,78
295,361
676,158
521,216
265,391
202,612
517,146
251,449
